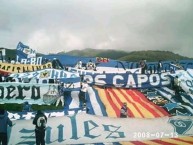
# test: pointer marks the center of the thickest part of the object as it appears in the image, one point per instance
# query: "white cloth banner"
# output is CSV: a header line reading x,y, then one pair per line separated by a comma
x,y
84,128
13,92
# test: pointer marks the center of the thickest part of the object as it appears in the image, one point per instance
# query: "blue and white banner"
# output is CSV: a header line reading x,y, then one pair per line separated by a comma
x,y
105,70
44,75
83,128
71,84
185,79
129,80
24,52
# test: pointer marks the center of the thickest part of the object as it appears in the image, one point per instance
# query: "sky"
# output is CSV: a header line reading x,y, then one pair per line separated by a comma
x,y
52,26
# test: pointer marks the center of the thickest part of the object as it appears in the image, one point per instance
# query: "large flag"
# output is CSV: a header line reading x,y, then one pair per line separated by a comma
x,y
24,52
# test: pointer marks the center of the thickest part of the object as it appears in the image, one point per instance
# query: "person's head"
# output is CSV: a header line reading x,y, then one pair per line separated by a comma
x,y
39,112
124,104
2,111
26,103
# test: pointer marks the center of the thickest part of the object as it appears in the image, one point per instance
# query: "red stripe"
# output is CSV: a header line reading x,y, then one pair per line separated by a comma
x,y
179,139
119,101
163,142
159,108
138,143
116,109
137,98
128,100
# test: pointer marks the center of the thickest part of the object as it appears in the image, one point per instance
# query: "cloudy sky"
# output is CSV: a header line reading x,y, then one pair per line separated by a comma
x,y
64,25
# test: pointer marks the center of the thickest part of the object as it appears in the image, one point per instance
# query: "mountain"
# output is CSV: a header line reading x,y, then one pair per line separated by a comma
x,y
153,55
149,55
88,52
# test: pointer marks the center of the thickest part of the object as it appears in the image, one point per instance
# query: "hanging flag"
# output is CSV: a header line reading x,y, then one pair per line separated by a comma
x,y
24,52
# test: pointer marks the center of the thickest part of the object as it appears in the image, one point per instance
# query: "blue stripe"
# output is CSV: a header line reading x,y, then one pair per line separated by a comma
x,y
187,97
116,143
189,74
102,107
88,103
67,101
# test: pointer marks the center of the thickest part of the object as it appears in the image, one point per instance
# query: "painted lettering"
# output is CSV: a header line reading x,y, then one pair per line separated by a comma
x,y
10,89
118,80
87,128
114,133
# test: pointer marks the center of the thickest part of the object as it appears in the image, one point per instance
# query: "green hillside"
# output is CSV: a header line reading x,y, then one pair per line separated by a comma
x,y
113,54
150,55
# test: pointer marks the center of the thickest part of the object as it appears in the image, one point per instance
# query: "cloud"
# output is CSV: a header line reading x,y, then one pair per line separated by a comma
x,y
128,25
44,41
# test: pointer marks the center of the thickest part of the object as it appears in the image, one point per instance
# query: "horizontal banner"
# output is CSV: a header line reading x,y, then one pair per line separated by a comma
x,y
45,74
129,80
106,70
19,68
84,128
13,92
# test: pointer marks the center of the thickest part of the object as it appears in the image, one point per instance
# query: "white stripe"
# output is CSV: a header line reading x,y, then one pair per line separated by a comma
x,y
94,103
190,95
75,100
188,108
186,100
169,90
168,96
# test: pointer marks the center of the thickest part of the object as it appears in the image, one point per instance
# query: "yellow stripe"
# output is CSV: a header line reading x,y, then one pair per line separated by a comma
x,y
149,142
151,106
114,99
187,138
126,143
146,113
177,142
129,105
143,110
110,111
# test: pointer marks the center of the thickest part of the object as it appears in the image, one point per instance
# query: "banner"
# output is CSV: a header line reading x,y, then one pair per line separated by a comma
x,y
71,84
24,52
129,80
185,79
13,92
19,68
44,75
84,128
102,59
106,70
